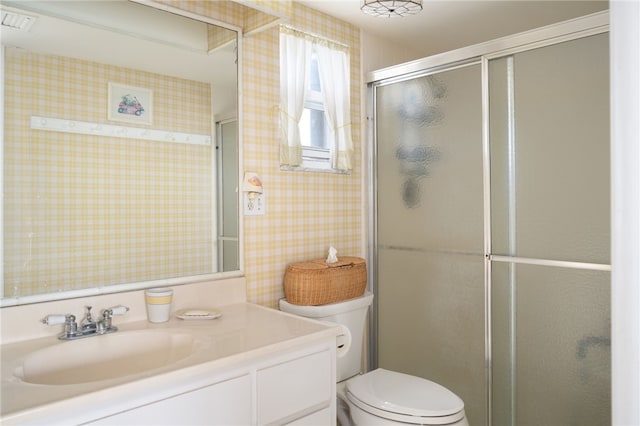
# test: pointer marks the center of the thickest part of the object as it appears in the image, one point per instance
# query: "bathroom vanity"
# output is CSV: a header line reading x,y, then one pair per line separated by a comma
x,y
251,366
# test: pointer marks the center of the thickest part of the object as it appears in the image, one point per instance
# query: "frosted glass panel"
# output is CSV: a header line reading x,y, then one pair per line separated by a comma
x,y
430,232
429,141
228,242
559,321
560,152
431,321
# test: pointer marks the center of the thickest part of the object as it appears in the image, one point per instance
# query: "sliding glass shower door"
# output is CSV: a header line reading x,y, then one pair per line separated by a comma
x,y
492,232
550,239
430,287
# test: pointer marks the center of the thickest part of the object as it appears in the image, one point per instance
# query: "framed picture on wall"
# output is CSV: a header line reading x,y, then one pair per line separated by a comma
x,y
130,104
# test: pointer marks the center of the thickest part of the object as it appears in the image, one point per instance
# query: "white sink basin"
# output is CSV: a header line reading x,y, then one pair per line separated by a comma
x,y
105,357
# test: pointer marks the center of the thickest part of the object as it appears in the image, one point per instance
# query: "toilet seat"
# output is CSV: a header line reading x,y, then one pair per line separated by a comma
x,y
404,398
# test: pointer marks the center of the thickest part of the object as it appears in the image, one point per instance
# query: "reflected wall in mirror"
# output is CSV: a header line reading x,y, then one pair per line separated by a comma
x,y
93,204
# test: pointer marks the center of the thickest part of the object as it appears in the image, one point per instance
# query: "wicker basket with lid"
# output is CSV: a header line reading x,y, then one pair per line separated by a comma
x,y
316,282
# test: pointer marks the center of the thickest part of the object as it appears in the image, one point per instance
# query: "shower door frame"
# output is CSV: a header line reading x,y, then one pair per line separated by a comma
x,y
597,23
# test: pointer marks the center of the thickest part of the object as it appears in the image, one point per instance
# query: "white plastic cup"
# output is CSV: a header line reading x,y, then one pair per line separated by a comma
x,y
158,304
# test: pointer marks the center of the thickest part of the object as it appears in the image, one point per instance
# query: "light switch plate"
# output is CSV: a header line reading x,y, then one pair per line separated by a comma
x,y
253,207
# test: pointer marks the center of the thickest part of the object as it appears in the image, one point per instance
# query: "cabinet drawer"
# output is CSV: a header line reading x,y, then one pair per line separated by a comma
x,y
226,403
294,387
322,417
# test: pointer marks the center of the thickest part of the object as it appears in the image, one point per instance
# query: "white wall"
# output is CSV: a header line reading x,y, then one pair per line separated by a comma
x,y
625,157
379,53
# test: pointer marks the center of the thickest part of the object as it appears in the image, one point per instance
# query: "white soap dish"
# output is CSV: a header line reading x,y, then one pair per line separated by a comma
x,y
198,314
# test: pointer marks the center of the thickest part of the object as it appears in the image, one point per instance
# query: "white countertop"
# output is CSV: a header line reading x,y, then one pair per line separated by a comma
x,y
243,333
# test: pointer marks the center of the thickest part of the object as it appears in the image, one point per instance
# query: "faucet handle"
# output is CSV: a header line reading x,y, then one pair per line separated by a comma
x,y
105,326
118,310
70,325
56,319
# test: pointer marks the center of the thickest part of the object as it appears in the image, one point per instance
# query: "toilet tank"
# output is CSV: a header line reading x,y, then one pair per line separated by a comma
x,y
352,314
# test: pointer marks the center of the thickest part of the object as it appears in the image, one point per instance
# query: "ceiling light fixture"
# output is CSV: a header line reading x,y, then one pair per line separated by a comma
x,y
391,8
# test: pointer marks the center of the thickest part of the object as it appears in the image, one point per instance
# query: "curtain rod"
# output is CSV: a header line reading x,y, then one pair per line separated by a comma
x,y
315,37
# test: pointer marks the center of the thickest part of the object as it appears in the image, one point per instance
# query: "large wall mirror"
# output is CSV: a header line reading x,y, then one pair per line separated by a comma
x,y
120,148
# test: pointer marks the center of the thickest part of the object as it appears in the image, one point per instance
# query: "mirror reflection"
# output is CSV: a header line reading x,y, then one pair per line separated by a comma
x,y
120,148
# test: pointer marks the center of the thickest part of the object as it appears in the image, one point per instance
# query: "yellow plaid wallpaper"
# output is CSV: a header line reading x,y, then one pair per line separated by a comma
x,y
82,210
305,212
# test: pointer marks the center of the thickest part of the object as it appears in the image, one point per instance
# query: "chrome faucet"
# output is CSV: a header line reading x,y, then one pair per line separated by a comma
x,y
88,326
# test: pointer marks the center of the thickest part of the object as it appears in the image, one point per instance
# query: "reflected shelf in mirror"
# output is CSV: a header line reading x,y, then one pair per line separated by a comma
x,y
116,131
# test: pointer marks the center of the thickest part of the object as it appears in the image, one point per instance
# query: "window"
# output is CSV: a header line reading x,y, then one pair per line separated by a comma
x,y
316,153
314,111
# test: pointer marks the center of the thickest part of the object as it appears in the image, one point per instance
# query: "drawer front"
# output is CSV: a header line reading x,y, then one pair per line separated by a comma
x,y
227,403
294,388
322,417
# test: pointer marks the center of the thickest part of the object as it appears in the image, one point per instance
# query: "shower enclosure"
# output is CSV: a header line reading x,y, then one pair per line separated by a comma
x,y
491,225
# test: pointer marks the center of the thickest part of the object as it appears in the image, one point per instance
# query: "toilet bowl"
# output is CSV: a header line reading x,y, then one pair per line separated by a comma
x,y
383,397
379,397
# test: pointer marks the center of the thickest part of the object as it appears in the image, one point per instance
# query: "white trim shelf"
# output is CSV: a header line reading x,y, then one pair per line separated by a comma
x,y
116,131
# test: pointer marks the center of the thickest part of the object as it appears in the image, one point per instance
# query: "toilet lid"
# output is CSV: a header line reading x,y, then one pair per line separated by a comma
x,y
404,394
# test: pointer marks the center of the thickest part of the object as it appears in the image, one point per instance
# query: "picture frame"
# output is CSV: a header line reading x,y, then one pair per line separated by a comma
x,y
129,104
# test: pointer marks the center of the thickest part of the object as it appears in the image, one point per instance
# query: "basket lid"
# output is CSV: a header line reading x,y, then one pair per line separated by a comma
x,y
346,260
322,264
306,266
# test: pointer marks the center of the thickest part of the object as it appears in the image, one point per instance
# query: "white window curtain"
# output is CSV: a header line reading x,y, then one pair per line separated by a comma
x,y
295,54
333,68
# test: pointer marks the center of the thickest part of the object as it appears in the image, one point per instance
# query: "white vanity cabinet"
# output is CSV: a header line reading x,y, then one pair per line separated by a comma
x,y
251,366
296,388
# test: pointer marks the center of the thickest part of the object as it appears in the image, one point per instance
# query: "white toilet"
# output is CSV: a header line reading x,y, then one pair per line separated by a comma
x,y
380,397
